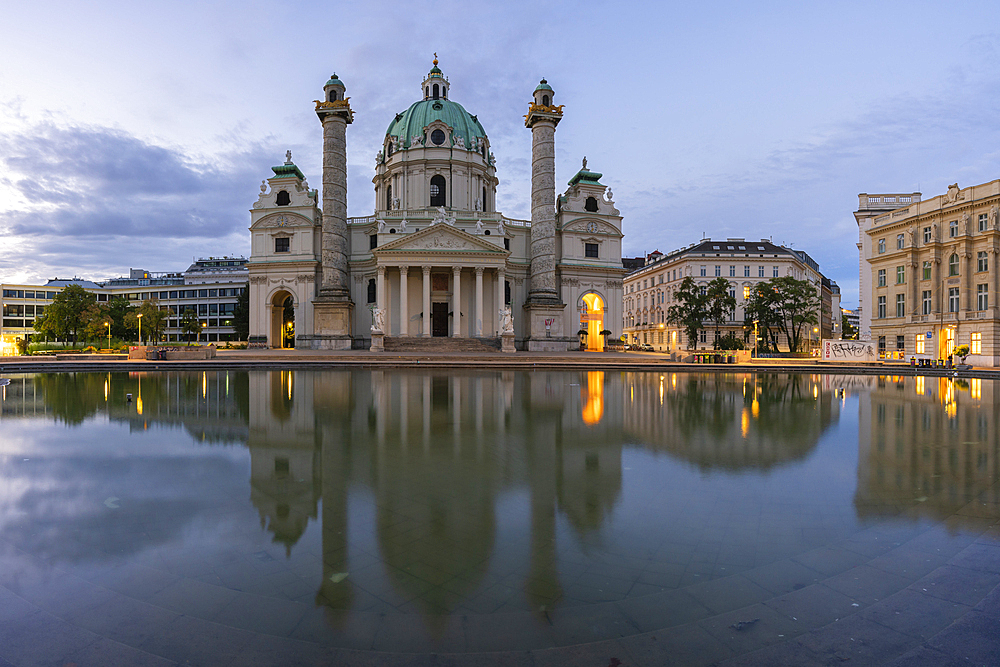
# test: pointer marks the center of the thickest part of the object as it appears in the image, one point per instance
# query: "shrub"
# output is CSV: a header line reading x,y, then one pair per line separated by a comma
x,y
90,349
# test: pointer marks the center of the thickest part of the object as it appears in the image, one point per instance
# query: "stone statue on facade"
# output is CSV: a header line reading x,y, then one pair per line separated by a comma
x,y
501,228
584,162
506,321
378,320
479,226
381,226
479,204
288,157
441,217
995,216
460,141
402,225
416,141
909,237
965,222
395,203
611,195
379,158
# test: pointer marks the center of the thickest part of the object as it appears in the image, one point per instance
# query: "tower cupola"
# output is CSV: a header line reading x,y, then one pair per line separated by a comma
x,y
333,90
544,95
435,86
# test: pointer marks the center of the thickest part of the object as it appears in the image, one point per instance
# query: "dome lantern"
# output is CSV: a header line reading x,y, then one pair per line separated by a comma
x,y
544,95
435,85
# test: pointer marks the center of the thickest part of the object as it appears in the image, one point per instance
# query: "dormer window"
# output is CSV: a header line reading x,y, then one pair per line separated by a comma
x,y
333,95
283,198
590,205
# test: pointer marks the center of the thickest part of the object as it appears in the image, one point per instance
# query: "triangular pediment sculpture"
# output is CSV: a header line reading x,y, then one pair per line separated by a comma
x,y
441,238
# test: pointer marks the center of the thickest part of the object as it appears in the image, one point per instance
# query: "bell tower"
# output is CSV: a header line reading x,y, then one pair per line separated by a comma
x,y
544,307
333,307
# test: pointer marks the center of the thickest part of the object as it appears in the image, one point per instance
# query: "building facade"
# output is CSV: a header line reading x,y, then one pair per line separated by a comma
x,y
210,287
652,289
435,258
931,267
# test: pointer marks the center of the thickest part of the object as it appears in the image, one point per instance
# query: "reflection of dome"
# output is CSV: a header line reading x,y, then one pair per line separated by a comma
x,y
411,123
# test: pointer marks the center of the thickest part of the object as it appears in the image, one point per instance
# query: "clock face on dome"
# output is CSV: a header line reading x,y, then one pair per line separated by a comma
x,y
591,227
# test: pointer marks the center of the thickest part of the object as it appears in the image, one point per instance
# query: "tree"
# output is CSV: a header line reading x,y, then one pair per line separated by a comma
x,y
689,312
153,319
241,314
848,332
719,304
95,317
122,327
759,308
190,324
64,317
797,304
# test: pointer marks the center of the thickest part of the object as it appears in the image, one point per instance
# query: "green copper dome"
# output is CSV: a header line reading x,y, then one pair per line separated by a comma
x,y
412,122
543,85
334,81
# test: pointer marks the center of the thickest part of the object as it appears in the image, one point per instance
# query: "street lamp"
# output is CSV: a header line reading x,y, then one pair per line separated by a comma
x,y
755,338
203,325
139,317
108,325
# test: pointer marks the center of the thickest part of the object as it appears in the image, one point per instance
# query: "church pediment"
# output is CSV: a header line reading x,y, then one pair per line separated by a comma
x,y
441,238
284,219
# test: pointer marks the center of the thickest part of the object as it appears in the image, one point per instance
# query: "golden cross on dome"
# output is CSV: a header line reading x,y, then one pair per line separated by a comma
x,y
435,58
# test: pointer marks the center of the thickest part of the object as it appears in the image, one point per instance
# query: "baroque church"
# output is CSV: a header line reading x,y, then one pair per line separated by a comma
x,y
435,259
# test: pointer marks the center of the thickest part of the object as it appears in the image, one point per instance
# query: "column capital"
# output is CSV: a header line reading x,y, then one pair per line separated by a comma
x,y
381,270
403,270
479,271
456,270
426,270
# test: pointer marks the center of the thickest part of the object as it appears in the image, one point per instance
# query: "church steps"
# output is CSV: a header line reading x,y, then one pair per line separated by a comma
x,y
440,344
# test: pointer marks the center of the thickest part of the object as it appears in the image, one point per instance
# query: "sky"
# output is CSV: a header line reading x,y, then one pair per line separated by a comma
x,y
136,134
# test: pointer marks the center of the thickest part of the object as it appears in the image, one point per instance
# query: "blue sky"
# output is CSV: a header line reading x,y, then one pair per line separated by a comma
x,y
135,134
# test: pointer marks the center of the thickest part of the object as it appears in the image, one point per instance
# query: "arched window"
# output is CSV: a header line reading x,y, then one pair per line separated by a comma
x,y
333,95
435,91
283,199
444,92
427,92
591,205
388,149
953,265
371,290
437,190
485,208
545,100
388,197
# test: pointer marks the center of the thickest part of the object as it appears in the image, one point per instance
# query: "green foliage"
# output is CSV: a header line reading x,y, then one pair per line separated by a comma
x,y
848,332
783,306
118,310
962,351
241,314
189,324
730,342
718,303
154,320
690,310
65,317
22,345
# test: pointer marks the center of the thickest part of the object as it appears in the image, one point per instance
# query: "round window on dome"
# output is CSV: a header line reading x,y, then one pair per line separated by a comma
x,y
437,136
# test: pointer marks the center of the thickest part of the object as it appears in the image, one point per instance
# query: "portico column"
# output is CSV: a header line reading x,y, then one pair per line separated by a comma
x,y
404,312
479,301
380,294
500,295
456,301
427,300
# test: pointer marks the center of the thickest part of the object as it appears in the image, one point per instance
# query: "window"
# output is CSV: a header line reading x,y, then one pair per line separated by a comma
x,y
388,197
953,300
953,265
881,308
976,344
203,293
774,273
900,343
438,187
900,275
926,271
661,278
925,297
982,264
283,199
438,137
371,290
506,292
590,250
900,243
746,271
953,228
506,244
900,305
919,346
732,271
982,222
703,336
590,204
881,277
881,348
881,246
281,244
436,91
718,270
927,234
982,297
372,242
702,269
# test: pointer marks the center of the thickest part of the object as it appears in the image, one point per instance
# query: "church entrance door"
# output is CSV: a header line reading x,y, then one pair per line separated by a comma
x,y
439,319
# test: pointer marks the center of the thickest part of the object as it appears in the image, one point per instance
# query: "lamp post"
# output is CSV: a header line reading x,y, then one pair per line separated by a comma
x,y
816,338
203,325
139,317
108,325
755,338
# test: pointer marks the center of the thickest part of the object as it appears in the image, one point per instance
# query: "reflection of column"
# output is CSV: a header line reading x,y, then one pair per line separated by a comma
x,y
477,402
427,413
404,410
541,586
380,295
500,295
427,300
456,416
456,306
479,302
404,294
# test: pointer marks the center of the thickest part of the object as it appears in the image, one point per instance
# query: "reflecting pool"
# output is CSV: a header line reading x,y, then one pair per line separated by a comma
x,y
475,512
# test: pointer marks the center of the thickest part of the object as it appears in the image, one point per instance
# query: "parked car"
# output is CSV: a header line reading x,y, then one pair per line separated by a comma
x,y
646,347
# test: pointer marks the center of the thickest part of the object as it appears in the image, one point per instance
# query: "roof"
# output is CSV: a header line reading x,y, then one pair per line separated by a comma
x,y
334,81
586,177
287,169
85,284
543,85
411,123
734,249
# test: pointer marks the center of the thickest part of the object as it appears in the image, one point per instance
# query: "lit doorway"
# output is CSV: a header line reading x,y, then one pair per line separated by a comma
x,y
282,320
592,320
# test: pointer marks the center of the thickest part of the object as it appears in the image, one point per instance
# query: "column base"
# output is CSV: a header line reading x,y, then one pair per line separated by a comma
x,y
331,324
507,343
545,328
378,342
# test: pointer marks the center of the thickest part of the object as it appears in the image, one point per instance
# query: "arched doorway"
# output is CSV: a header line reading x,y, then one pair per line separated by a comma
x,y
282,320
592,320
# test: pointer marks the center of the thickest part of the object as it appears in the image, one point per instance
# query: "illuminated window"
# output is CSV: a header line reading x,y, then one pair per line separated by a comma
x,y
920,344
976,344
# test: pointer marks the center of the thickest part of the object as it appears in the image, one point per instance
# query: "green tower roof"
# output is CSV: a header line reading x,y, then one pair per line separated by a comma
x,y
334,81
586,177
412,122
285,170
543,85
